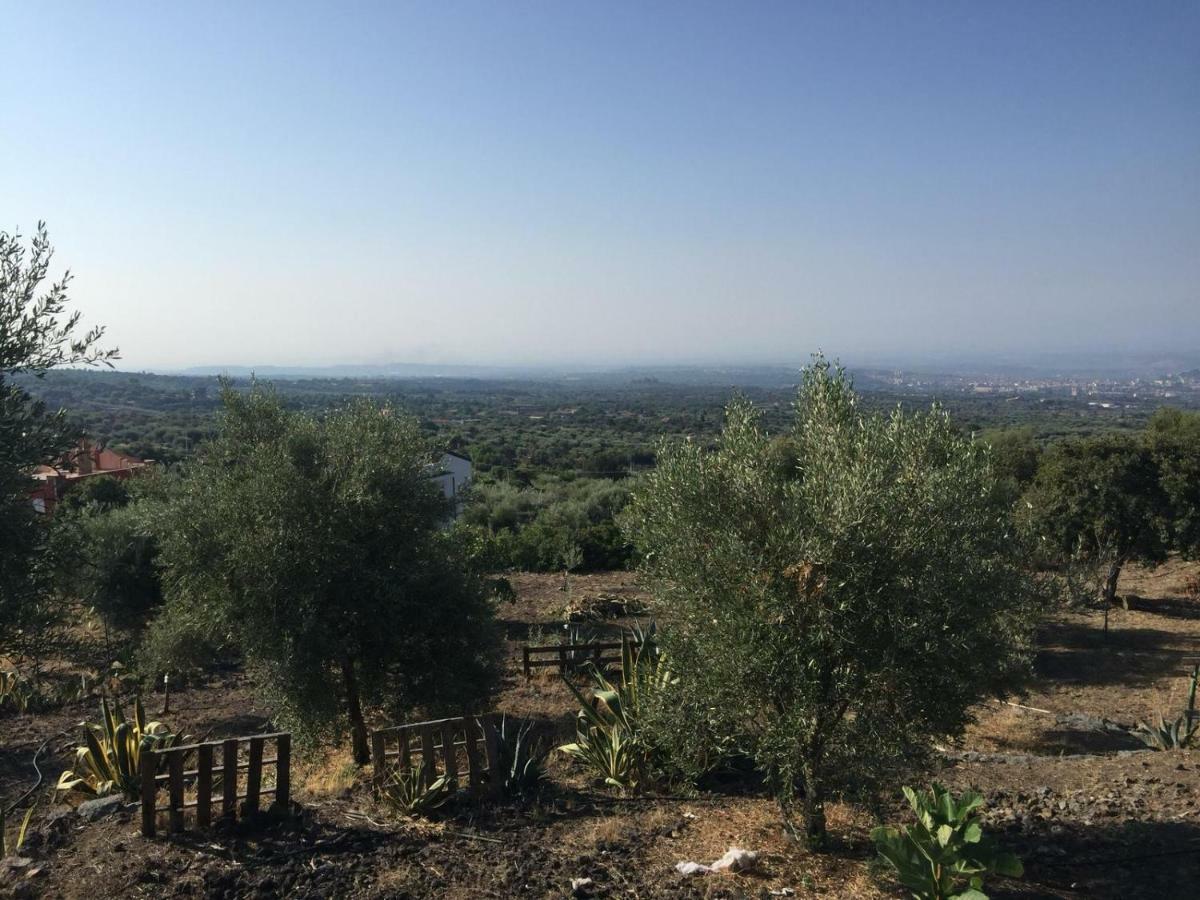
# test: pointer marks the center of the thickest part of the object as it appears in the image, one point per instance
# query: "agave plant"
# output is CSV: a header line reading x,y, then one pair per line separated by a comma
x,y
608,736
945,855
1174,735
1178,733
13,849
406,792
574,634
16,691
111,758
522,762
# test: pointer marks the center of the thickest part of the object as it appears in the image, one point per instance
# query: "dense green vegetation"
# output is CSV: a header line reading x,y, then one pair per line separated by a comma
x,y
553,458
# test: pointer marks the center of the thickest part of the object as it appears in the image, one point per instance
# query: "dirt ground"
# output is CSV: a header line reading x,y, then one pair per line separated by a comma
x,y
1090,812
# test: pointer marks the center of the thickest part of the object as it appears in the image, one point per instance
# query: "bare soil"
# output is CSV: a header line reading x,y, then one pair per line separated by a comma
x,y
1089,810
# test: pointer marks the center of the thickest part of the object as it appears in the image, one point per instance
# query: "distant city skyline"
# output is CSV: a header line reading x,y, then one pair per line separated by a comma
x,y
555,184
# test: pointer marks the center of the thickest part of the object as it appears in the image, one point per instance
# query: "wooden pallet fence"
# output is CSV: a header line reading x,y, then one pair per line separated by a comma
x,y
215,761
463,747
571,657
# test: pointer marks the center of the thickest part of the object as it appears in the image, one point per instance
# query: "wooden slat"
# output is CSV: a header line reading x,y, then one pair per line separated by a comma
x,y
175,791
555,648
491,744
229,754
283,772
191,804
449,753
192,773
473,769
378,759
393,729
405,752
204,785
274,735
428,760
254,776
149,792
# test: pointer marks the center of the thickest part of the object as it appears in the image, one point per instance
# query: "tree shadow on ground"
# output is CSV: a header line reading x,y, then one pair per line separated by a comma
x,y
1168,607
1134,657
1126,860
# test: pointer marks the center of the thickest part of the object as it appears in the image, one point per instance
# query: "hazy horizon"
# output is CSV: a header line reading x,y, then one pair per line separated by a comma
x,y
538,184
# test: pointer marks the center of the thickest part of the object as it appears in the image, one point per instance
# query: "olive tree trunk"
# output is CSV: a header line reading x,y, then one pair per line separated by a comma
x,y
1108,593
358,725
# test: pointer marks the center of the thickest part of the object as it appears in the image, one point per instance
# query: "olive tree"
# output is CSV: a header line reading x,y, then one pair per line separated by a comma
x,y
36,335
316,547
837,606
1100,501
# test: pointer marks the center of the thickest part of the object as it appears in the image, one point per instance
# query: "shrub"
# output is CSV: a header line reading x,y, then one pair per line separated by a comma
x,y
945,854
836,612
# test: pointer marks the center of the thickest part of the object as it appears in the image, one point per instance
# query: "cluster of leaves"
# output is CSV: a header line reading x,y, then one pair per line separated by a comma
x,y
945,855
113,755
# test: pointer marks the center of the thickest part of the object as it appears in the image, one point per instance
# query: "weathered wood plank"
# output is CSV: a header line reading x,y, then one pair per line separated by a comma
x,y
254,776
204,767
229,770
175,791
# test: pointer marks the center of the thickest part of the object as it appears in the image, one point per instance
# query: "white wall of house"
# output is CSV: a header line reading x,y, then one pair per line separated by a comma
x,y
454,475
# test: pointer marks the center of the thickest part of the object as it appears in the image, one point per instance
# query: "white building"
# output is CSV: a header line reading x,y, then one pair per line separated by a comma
x,y
453,475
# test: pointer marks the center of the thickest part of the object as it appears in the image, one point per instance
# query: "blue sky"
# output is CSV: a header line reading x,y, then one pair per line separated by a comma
x,y
255,183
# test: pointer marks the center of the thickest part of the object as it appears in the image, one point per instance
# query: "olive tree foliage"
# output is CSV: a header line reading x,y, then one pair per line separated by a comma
x,y
1106,501
315,547
838,598
1173,437
1100,502
103,548
36,335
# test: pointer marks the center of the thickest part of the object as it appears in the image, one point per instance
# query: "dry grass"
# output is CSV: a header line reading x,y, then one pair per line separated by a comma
x,y
329,777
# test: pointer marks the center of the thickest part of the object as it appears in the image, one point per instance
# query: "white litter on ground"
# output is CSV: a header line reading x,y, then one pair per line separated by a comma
x,y
735,860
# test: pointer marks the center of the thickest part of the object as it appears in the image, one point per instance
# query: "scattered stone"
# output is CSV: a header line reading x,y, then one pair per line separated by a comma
x,y
100,808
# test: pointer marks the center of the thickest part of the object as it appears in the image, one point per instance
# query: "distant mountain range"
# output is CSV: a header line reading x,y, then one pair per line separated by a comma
x,y
1028,365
